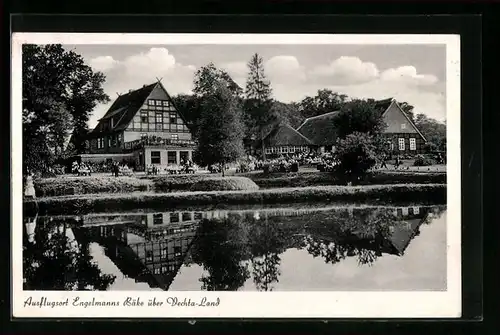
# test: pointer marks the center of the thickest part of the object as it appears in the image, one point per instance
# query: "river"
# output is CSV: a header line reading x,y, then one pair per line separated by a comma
x,y
269,249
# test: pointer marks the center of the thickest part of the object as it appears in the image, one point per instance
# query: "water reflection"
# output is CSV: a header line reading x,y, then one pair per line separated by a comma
x,y
220,250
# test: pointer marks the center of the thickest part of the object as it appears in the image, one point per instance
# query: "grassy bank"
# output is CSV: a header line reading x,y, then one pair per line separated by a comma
x,y
304,179
79,204
192,183
50,187
60,186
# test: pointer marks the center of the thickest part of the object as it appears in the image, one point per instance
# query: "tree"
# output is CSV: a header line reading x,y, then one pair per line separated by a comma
x,y
357,153
358,116
208,78
325,101
221,131
59,93
433,130
259,101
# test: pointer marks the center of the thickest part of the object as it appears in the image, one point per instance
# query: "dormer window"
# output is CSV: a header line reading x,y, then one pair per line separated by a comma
x,y
403,125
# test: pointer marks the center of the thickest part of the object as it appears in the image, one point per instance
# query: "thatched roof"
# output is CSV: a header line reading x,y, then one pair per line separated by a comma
x,y
320,129
284,135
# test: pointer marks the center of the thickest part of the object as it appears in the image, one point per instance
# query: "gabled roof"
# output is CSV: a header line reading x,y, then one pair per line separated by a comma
x,y
383,105
125,107
320,129
283,135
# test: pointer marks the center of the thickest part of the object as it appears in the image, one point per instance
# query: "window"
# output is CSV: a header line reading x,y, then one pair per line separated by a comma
x,y
175,136
198,216
157,271
285,150
144,116
166,126
164,269
403,125
166,103
157,219
171,157
291,150
173,117
416,210
268,150
149,255
174,217
159,127
164,253
158,102
151,102
173,127
177,251
100,143
186,216
413,144
401,144
159,117
155,157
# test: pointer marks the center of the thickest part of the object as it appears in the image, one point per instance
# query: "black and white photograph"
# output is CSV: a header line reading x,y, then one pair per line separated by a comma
x,y
197,171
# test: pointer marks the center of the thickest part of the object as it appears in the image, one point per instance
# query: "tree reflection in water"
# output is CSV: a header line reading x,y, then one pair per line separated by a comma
x,y
219,252
267,242
55,261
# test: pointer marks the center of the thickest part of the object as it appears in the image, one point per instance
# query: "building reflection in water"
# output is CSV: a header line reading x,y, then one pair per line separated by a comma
x,y
231,246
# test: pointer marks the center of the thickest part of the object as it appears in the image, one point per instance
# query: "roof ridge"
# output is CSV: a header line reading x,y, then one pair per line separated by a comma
x,y
316,117
138,89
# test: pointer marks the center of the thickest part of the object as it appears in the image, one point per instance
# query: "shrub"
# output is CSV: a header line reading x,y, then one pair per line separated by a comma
x,y
422,160
225,184
202,183
87,185
356,154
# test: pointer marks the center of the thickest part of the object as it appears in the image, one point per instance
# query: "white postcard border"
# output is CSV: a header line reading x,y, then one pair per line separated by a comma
x,y
250,304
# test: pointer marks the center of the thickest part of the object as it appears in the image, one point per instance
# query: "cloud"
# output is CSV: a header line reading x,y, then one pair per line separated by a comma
x,y
141,69
408,75
102,63
284,68
346,70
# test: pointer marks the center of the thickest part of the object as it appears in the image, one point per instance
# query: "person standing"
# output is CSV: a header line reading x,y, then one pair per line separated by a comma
x,y
29,190
384,162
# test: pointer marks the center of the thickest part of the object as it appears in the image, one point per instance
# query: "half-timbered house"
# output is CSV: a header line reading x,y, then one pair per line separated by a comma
x,y
142,126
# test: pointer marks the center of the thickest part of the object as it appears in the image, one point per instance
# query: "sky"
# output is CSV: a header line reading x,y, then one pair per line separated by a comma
x,y
412,73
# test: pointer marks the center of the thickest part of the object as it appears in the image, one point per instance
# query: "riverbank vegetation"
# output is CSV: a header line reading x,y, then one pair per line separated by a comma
x,y
78,204
48,187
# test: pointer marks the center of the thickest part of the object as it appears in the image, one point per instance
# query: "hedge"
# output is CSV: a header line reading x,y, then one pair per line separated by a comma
x,y
323,179
46,187
79,204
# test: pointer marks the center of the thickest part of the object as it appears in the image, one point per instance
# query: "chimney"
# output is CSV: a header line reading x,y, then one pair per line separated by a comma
x,y
129,91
